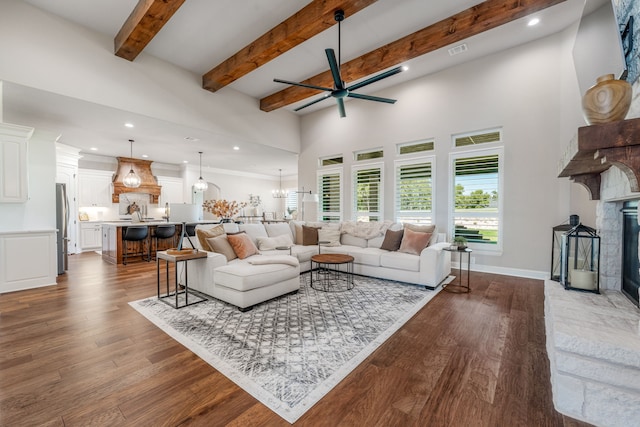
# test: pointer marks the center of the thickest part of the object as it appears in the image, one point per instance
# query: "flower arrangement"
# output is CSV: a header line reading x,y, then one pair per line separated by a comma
x,y
223,208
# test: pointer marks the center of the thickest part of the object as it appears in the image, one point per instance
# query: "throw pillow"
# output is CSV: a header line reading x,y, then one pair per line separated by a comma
x,y
309,236
298,228
413,242
425,229
270,243
242,245
331,235
220,244
204,234
392,240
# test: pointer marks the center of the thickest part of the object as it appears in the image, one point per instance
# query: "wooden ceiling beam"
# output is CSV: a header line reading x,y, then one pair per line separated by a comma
x,y
312,19
474,20
145,21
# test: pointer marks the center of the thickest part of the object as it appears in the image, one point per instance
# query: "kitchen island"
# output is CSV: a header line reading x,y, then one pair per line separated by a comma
x,y
112,244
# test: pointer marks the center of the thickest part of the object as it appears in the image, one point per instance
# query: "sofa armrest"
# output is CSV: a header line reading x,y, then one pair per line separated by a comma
x,y
435,264
201,271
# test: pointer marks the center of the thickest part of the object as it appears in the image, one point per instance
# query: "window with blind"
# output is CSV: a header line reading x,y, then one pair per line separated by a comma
x,y
330,195
414,191
367,192
291,202
477,207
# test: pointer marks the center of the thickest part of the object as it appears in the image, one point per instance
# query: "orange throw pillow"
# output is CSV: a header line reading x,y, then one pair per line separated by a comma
x,y
242,245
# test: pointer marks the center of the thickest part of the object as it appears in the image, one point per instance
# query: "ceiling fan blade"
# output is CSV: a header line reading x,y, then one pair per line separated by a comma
x,y
335,69
302,85
343,113
375,78
312,102
372,98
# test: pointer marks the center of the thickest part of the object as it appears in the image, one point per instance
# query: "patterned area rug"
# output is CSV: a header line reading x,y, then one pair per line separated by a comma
x,y
290,351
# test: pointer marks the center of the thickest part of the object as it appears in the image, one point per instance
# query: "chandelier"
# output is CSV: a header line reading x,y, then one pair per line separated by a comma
x,y
131,180
279,193
201,184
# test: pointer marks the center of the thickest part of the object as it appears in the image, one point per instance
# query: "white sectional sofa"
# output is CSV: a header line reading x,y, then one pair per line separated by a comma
x,y
245,283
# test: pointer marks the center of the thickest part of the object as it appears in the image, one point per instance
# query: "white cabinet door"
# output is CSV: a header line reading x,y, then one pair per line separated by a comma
x,y
172,190
94,188
13,163
90,236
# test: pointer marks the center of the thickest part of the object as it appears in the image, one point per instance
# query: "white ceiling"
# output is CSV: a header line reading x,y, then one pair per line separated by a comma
x,y
204,33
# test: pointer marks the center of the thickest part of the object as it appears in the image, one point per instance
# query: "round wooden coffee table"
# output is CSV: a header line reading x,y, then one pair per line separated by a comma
x,y
333,272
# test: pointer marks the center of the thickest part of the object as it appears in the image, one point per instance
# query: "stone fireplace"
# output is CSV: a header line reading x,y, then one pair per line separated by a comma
x,y
593,341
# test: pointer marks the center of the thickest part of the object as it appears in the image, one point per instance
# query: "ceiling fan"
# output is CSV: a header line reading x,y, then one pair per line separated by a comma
x,y
339,90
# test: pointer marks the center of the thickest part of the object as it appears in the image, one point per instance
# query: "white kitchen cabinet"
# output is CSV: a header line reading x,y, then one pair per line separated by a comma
x,y
94,188
172,190
14,180
90,236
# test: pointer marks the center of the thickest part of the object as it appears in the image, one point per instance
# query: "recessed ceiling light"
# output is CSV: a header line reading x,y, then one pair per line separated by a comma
x,y
145,155
128,125
93,149
191,139
405,68
236,148
533,21
185,161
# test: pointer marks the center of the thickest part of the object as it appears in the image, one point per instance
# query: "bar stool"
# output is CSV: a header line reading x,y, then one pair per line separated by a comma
x,y
164,232
135,234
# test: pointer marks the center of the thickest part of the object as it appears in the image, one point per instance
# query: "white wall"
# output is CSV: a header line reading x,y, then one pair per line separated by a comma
x,y
44,52
522,90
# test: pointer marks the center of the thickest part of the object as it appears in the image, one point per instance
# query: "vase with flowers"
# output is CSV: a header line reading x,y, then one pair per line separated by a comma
x,y
223,209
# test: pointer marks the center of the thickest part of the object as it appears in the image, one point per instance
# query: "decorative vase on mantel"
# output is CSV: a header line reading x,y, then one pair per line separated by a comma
x,y
607,101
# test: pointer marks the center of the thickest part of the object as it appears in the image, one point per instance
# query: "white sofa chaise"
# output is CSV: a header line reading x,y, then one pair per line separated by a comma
x,y
244,284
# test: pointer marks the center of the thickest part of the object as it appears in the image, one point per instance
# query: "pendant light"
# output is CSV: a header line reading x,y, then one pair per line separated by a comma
x,y
131,180
279,193
201,184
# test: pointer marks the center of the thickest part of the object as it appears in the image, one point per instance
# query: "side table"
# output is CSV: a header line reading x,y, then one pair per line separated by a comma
x,y
459,288
176,259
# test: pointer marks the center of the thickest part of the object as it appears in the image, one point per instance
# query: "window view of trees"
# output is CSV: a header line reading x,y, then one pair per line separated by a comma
x,y
367,194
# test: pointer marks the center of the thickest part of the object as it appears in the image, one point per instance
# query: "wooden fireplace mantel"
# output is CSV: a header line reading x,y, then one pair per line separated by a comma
x,y
601,146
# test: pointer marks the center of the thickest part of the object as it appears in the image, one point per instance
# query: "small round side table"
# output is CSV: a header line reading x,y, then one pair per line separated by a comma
x,y
459,288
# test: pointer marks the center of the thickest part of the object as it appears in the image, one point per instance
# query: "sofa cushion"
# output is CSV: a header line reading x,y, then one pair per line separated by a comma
x,y
242,245
400,261
270,243
392,240
309,235
303,253
203,233
242,276
220,244
366,256
274,230
329,234
254,231
350,240
413,242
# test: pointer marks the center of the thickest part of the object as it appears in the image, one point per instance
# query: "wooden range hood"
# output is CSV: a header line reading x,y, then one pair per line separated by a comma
x,y
142,168
598,147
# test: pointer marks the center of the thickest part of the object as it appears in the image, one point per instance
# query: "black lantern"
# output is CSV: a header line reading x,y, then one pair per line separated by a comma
x,y
575,257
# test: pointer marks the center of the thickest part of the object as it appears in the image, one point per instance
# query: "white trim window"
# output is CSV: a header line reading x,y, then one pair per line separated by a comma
x,y
476,208
367,193
414,190
330,195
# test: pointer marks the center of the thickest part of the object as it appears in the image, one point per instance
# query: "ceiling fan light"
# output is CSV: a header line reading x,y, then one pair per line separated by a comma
x,y
131,180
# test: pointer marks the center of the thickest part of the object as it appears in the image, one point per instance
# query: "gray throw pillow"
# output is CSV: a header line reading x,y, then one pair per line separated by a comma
x,y
392,240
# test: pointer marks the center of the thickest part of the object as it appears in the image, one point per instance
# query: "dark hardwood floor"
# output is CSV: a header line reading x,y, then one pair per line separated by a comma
x,y
76,354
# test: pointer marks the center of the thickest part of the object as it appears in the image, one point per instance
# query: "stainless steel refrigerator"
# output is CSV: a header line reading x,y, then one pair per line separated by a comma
x,y
62,224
